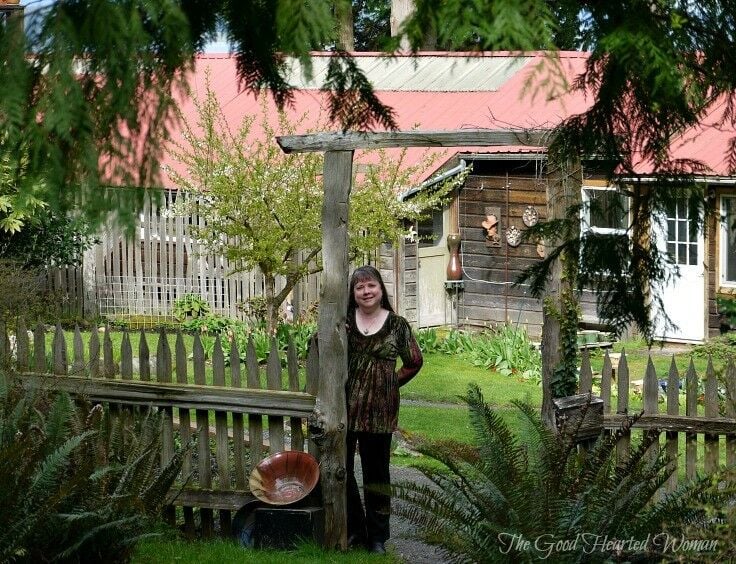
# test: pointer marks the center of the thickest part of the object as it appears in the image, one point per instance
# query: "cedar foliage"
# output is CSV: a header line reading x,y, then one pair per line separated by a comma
x,y
539,485
76,483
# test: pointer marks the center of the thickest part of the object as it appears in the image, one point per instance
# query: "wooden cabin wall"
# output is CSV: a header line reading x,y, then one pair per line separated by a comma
x,y
488,297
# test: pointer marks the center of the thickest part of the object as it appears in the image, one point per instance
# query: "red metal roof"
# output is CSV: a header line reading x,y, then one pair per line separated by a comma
x,y
507,101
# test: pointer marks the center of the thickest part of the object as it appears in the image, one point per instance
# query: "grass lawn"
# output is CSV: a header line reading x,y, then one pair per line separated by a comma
x,y
445,378
225,551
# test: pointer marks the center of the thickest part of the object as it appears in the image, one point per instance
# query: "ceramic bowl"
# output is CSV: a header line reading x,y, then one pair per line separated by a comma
x,y
285,477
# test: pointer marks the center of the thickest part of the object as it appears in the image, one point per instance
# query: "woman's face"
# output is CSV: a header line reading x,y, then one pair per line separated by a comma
x,y
367,294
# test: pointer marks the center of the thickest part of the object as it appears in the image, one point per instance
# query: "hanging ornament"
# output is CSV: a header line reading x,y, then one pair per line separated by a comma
x,y
530,216
513,236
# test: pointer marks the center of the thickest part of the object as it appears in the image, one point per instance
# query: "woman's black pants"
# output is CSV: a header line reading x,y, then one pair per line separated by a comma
x,y
375,453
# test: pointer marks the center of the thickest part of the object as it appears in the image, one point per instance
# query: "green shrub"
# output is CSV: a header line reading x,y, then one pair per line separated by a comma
x,y
508,351
190,305
76,484
492,503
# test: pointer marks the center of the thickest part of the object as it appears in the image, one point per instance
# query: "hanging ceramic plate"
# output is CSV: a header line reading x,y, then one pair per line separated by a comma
x,y
530,216
513,236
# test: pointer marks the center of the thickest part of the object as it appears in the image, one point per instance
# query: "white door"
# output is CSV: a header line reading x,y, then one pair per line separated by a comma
x,y
432,257
684,296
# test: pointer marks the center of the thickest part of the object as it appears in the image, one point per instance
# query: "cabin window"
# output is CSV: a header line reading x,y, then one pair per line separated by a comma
x,y
728,241
682,239
430,229
605,210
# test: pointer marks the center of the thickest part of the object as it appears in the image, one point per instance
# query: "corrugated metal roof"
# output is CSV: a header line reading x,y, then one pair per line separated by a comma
x,y
426,73
439,92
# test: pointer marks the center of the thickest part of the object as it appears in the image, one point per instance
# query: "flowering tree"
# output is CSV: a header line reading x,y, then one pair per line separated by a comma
x,y
262,207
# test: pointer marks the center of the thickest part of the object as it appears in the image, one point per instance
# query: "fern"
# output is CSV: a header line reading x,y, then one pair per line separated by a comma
x,y
538,483
77,482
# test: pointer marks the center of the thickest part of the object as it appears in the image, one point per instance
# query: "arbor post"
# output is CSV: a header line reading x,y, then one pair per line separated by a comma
x,y
330,410
563,191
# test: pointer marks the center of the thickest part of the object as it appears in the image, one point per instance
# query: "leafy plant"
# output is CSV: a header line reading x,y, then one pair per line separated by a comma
x,y
727,310
211,324
508,350
485,503
427,340
456,342
240,332
76,484
721,349
190,305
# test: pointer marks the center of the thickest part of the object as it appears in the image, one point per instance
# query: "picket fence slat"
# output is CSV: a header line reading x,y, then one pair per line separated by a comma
x,y
241,481
691,410
255,421
273,381
204,463
295,423
94,354
606,378
622,406
184,429
731,412
163,375
586,374
222,443
673,408
22,346
78,364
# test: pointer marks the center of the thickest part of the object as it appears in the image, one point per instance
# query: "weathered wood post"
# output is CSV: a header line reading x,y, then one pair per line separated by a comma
x,y
563,191
333,367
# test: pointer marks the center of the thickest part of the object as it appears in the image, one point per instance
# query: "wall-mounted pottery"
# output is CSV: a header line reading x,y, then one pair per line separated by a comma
x,y
530,216
492,226
513,236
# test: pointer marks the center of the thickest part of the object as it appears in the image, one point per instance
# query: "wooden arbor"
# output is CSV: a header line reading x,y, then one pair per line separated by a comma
x,y
329,423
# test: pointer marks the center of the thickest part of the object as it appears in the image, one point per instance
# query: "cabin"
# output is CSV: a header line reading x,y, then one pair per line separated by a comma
x,y
503,194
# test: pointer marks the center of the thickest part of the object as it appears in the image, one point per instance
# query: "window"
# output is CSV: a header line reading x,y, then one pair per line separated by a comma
x,y
682,239
728,241
605,210
431,229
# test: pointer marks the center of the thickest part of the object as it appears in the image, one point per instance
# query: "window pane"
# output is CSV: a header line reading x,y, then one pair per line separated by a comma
x,y
682,231
430,230
671,250
681,253
671,233
693,253
607,208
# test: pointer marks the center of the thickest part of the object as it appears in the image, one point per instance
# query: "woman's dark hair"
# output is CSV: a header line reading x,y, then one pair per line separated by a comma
x,y
367,272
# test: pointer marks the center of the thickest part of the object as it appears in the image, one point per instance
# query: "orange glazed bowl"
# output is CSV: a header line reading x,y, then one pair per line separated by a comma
x,y
285,477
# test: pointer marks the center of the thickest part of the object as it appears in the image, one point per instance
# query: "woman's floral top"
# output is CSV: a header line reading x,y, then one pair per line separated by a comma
x,y
373,382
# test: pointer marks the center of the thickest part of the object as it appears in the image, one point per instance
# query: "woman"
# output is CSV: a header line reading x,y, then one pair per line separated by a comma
x,y
376,338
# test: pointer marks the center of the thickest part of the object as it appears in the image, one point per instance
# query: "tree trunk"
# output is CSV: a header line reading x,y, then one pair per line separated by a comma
x,y
563,190
344,18
272,314
400,11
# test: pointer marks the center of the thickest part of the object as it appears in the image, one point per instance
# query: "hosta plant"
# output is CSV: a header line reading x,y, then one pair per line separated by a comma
x,y
535,495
